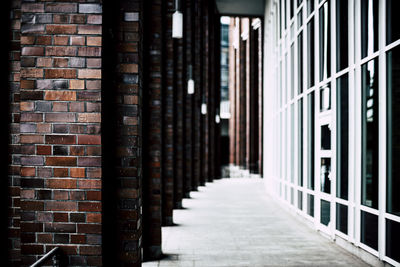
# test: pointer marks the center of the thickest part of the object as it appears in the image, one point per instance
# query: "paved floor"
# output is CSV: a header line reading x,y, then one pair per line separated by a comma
x,y
232,222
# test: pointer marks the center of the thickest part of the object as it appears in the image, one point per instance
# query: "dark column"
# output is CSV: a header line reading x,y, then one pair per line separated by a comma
x,y
152,146
122,134
205,93
242,102
254,146
168,116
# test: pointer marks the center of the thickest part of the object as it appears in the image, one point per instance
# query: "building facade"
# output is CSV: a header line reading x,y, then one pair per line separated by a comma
x,y
331,86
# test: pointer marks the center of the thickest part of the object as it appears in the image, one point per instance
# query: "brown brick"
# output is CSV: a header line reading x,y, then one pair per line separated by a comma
x,y
89,51
44,62
61,29
77,151
61,40
93,195
89,139
61,161
128,68
89,184
60,139
60,217
89,74
60,73
94,41
32,8
31,139
60,206
60,62
78,239
28,171
31,73
43,40
61,7
93,217
60,106
60,95
90,250
89,228
89,29
89,117
31,117
60,117
62,183
61,51
60,172
78,19
76,84
27,40
89,206
60,195
43,150
60,227
77,172
26,106
27,84
77,40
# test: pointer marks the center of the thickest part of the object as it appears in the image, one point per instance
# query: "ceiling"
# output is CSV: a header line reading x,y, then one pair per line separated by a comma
x,y
241,7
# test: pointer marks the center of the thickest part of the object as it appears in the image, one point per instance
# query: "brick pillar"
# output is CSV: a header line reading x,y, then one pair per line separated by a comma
x,y
198,78
179,123
188,61
232,93
205,93
60,120
153,129
122,120
11,113
168,117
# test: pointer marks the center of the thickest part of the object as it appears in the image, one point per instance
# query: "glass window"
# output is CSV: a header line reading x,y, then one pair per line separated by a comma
x,y
284,14
325,212
300,63
299,19
342,124
300,143
393,131
300,200
392,23
299,2
310,7
310,53
325,175
310,141
280,19
393,239
369,229
370,137
341,218
291,195
292,71
325,137
369,27
291,8
324,42
325,97
342,37
310,205
292,143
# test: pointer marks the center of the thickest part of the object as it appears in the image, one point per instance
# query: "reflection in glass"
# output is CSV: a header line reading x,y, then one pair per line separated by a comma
x,y
280,19
392,21
324,42
325,98
370,137
310,53
393,239
325,212
325,137
369,27
325,175
300,142
292,196
292,71
342,37
369,229
393,131
300,63
299,19
292,131
300,200
342,124
310,141
310,7
341,218
310,205
291,8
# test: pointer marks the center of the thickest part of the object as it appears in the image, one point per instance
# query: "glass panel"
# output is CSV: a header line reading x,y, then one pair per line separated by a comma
x,y
325,212
300,143
300,200
392,23
280,83
369,229
393,239
393,145
325,98
284,14
310,141
310,205
292,71
291,8
310,7
286,79
292,196
369,27
280,19
325,137
292,143
300,63
324,175
285,192
299,2
370,137
310,53
324,42
342,37
299,19
341,218
342,124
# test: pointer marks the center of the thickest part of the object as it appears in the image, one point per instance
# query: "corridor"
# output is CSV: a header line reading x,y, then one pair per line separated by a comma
x,y
232,222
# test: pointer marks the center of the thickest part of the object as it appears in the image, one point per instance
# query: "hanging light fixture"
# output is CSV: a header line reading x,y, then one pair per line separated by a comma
x,y
190,84
204,106
177,22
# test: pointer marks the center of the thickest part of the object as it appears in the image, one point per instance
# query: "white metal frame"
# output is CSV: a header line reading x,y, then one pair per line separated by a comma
x,y
278,181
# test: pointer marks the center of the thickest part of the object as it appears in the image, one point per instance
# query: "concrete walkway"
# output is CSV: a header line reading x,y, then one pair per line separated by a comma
x,y
232,222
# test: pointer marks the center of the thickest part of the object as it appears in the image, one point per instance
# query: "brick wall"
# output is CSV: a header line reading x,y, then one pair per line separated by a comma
x,y
60,130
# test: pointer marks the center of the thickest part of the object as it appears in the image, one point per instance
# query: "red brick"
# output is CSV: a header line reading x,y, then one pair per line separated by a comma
x,y
43,40
62,7
31,139
89,139
60,195
60,95
32,7
78,239
61,29
43,150
31,73
93,217
61,206
60,172
61,51
60,73
28,171
89,228
32,51
89,184
60,217
77,172
89,29
89,206
60,139
93,195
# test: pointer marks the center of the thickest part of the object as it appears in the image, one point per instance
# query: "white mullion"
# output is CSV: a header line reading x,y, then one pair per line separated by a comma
x,y
382,131
351,207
